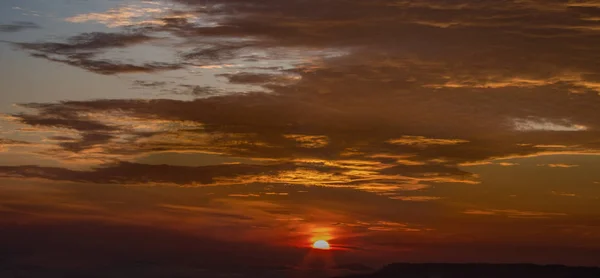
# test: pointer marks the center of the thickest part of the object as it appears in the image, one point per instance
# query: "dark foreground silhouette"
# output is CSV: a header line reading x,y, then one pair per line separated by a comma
x,y
406,270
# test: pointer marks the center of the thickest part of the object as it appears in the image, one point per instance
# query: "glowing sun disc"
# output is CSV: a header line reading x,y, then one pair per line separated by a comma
x,y
321,244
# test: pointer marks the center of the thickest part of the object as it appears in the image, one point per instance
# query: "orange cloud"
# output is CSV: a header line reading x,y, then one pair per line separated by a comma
x,y
423,141
513,213
416,198
559,165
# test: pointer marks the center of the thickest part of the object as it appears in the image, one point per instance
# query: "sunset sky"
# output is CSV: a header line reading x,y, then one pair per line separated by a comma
x,y
227,136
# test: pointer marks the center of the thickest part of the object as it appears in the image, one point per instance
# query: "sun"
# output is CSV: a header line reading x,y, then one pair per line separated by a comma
x,y
321,244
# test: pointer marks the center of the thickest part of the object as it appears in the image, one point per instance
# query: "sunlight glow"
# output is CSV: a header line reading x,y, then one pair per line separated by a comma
x,y
321,244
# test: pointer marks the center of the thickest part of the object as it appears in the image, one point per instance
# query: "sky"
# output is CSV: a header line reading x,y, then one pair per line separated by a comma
x,y
224,137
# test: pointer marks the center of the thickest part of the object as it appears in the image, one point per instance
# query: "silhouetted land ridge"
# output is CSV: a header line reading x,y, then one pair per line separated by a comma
x,y
407,270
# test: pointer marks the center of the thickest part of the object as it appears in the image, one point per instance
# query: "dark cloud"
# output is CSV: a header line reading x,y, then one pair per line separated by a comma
x,y
473,44
203,91
61,138
63,119
88,140
424,170
132,173
196,90
82,51
491,75
108,67
88,42
401,108
216,51
256,78
18,26
4,141
349,121
430,43
149,84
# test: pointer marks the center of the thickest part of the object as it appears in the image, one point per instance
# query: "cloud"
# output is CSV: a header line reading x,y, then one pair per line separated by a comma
x,y
208,211
512,213
110,67
277,194
224,37
278,127
263,109
173,88
545,125
87,141
122,16
308,141
422,141
83,51
550,146
559,25
387,226
385,188
501,36
507,164
565,194
64,120
358,175
341,27
131,173
339,86
18,26
144,13
12,142
150,84
416,198
256,78
559,165
243,195
88,42
222,50
4,143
